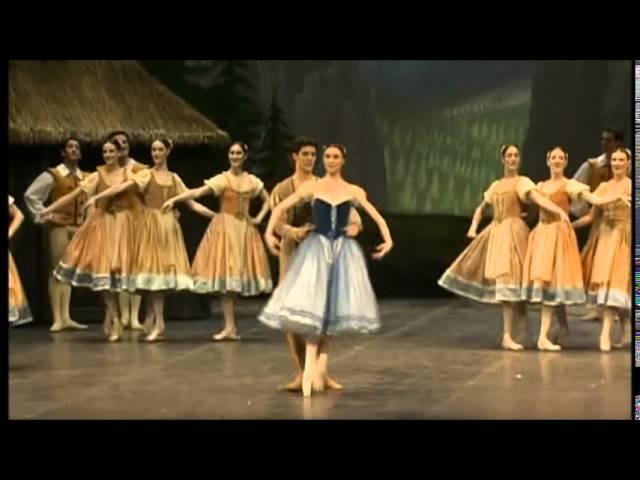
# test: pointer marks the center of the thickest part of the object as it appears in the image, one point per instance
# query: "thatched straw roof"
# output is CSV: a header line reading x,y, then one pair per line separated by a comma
x,y
51,99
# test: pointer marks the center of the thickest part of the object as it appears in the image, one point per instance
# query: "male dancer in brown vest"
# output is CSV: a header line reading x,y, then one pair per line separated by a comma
x,y
594,171
52,184
293,228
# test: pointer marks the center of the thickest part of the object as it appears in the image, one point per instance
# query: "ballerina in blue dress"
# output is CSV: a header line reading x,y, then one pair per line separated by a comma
x,y
326,290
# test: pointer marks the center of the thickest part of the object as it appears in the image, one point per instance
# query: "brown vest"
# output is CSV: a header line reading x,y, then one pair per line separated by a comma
x,y
599,175
155,194
105,203
127,200
300,214
114,204
73,213
561,198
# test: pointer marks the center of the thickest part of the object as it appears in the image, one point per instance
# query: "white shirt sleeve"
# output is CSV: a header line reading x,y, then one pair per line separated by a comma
x,y
38,193
580,208
583,173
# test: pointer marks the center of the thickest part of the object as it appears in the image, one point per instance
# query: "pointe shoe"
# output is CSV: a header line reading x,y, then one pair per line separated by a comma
x,y
116,332
106,327
331,384
623,343
546,345
318,384
155,335
509,344
56,327
71,325
294,385
307,384
224,336
605,345
137,326
147,326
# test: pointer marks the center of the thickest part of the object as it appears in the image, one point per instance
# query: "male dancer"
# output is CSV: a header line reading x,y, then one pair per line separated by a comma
x,y
52,184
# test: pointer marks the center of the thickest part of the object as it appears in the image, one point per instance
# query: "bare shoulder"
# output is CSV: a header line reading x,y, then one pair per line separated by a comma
x,y
359,193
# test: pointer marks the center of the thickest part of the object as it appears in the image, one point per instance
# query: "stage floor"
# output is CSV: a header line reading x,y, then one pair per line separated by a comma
x,y
433,359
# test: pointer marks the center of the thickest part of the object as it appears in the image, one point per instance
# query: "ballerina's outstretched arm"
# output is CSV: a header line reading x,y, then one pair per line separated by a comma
x,y
110,192
61,202
387,244
599,200
548,205
200,209
186,196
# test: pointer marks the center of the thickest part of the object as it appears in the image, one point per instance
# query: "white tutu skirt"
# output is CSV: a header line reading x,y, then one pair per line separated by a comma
x,y
326,291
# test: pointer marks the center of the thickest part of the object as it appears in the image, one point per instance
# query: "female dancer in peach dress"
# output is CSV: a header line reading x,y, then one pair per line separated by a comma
x,y
231,259
606,260
552,269
19,312
489,270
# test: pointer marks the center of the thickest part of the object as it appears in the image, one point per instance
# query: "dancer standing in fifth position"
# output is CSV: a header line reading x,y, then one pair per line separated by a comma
x,y
326,290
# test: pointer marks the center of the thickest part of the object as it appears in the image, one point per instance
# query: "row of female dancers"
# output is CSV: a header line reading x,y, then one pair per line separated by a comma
x,y
326,289
508,264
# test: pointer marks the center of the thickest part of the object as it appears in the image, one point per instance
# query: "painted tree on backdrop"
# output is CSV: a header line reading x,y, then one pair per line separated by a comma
x,y
219,89
272,159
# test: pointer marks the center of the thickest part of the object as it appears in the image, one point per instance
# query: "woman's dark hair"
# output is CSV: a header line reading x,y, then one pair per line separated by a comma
x,y
164,141
242,145
561,148
339,146
113,142
504,148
